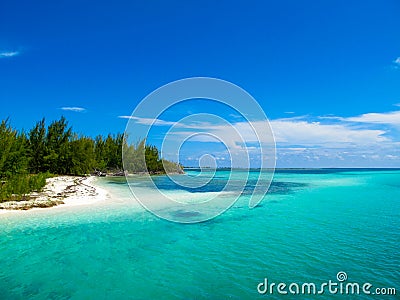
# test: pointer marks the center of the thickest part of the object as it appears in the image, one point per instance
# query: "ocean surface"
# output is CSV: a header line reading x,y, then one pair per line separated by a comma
x,y
310,226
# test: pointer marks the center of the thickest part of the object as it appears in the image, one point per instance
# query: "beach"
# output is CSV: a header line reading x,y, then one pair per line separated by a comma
x,y
60,191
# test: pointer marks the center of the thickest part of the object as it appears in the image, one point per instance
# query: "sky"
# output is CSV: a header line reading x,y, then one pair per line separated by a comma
x,y
326,73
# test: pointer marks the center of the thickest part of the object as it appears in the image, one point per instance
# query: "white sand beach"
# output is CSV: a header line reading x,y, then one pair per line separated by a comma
x,y
60,191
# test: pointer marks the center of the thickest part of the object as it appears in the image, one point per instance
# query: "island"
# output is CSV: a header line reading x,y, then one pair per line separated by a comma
x,y
52,165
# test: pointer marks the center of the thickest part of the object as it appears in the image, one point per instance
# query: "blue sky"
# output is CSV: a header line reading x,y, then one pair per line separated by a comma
x,y
326,73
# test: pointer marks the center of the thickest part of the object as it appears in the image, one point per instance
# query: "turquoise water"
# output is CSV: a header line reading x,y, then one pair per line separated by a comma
x,y
312,224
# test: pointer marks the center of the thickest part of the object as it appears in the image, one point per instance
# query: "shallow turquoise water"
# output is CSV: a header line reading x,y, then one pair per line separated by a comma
x,y
313,224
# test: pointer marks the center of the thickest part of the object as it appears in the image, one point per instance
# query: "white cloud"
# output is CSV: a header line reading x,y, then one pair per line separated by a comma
x,y
396,63
293,132
332,142
8,54
316,134
287,131
236,116
73,108
148,121
391,118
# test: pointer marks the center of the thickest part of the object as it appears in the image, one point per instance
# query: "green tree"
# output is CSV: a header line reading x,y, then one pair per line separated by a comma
x,y
13,159
82,158
153,161
56,142
37,147
99,150
113,152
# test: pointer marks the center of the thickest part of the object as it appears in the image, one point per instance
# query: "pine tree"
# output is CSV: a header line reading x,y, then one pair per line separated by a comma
x,y
37,147
56,142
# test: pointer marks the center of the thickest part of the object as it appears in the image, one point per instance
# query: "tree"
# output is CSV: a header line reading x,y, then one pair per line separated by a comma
x,y
153,161
56,142
13,159
82,159
37,147
99,150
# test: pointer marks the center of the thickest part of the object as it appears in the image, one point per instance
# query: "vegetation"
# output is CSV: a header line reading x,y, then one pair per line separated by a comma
x,y
144,158
15,187
26,160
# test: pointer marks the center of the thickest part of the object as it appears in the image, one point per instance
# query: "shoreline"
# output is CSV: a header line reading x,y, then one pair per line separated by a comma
x,y
60,191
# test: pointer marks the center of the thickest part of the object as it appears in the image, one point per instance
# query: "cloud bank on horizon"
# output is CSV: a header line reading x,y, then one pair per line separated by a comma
x,y
366,140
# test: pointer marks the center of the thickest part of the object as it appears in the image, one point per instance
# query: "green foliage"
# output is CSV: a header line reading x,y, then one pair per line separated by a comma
x,y
80,156
15,187
171,167
57,150
153,161
57,145
134,157
145,158
13,159
108,152
37,147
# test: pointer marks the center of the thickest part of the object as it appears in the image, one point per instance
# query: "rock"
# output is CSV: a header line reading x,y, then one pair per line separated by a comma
x,y
120,173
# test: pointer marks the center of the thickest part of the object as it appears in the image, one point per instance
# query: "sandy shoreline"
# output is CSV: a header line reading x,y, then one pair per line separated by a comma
x,y
60,191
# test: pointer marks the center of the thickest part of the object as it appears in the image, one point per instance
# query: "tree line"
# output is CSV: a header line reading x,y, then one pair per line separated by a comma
x,y
28,158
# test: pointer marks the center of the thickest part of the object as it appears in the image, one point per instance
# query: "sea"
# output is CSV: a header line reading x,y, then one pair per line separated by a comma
x,y
322,227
